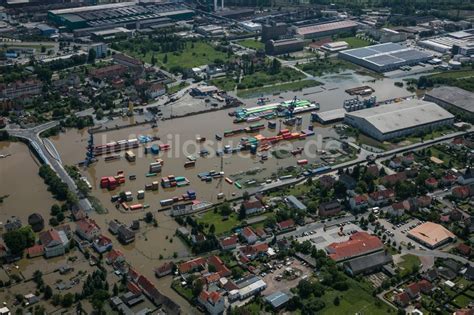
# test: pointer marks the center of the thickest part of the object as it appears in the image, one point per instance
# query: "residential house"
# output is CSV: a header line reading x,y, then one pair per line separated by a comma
x,y
391,180
229,243
423,201
449,179
249,235
464,249
431,182
467,178
261,233
373,170
108,72
35,251
192,265
461,192
381,197
102,244
359,202
329,208
253,251
395,163
286,225
156,89
87,229
253,206
198,238
397,209
213,302
114,226
12,224
125,235
113,256
327,181
20,89
402,299
164,269
219,266
54,243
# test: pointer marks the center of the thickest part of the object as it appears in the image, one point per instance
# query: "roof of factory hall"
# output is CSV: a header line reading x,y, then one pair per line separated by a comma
x,y
325,27
454,96
403,115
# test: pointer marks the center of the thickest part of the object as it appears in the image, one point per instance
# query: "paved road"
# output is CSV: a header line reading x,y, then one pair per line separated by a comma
x,y
33,136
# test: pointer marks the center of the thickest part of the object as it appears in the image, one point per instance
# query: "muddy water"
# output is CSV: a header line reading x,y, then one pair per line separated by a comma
x,y
19,179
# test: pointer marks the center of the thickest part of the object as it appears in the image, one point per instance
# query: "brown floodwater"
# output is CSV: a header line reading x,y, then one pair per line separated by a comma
x,y
20,181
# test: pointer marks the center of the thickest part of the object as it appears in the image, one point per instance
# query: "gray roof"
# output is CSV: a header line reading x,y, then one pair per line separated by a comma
x,y
407,114
454,96
296,203
277,299
360,264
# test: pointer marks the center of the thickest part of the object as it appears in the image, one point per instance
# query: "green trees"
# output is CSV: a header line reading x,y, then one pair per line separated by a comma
x,y
91,56
56,185
19,240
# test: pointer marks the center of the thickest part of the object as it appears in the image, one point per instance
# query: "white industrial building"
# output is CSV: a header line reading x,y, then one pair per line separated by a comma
x,y
251,26
399,120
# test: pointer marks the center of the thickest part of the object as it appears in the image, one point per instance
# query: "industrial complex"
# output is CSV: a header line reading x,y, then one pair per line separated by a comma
x,y
456,100
125,14
398,120
385,57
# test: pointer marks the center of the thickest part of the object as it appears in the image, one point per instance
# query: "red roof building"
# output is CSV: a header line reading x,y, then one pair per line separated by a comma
x,y
229,242
164,269
35,251
113,255
249,235
132,287
221,268
285,225
87,229
402,299
192,265
252,251
431,182
360,243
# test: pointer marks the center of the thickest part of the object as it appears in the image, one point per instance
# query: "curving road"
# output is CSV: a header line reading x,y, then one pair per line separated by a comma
x,y
33,136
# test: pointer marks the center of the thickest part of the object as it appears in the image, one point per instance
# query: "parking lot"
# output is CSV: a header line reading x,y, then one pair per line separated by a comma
x,y
287,276
321,238
398,232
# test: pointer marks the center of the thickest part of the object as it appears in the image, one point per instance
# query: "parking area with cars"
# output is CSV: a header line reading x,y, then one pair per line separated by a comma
x,y
398,232
322,237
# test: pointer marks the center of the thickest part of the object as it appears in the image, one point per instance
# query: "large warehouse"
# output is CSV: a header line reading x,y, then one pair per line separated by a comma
x,y
399,120
457,101
385,57
325,29
431,235
125,14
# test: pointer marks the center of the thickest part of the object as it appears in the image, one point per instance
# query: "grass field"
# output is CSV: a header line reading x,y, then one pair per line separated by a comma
x,y
176,88
460,74
285,87
225,83
407,264
325,66
196,54
461,301
355,42
222,226
357,300
251,43
261,78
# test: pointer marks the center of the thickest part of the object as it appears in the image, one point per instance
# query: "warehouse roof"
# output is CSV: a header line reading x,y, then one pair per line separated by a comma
x,y
454,96
407,114
277,299
362,263
319,28
431,233
93,8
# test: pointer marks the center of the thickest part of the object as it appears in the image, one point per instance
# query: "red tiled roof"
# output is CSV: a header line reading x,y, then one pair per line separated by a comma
x,y
403,298
382,194
260,232
148,287
103,240
48,236
133,274
251,250
87,225
165,267
132,287
252,204
113,255
229,241
211,297
464,249
425,285
286,224
358,244
413,288
191,264
431,181
248,232
360,199
35,250
211,278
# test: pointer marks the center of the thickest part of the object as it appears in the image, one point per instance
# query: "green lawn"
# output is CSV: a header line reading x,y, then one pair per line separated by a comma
x,y
176,88
196,54
285,87
225,83
324,66
222,226
355,42
358,299
187,293
407,264
252,44
261,78
461,301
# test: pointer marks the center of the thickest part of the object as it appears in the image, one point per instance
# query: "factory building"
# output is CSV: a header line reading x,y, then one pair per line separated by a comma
x,y
284,46
274,31
457,101
386,35
399,120
125,14
385,57
325,29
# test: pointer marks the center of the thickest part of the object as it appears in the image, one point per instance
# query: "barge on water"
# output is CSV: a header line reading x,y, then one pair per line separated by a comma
x,y
116,146
271,110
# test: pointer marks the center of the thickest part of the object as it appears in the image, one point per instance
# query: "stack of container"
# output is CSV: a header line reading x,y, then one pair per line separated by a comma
x,y
109,182
155,149
130,156
140,194
155,167
165,146
169,181
154,185
128,196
